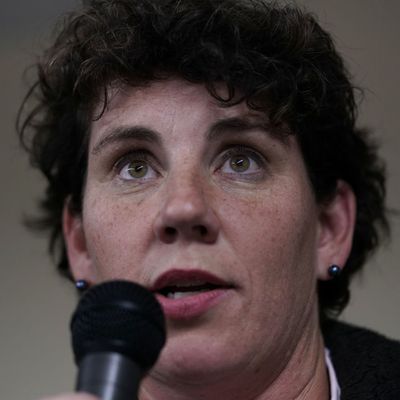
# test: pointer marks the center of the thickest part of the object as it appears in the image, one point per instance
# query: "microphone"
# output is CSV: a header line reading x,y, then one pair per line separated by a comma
x,y
118,331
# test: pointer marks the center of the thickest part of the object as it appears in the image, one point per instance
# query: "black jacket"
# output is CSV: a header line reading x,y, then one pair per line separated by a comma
x,y
367,364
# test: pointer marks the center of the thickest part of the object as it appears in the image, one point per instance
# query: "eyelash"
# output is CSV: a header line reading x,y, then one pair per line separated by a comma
x,y
137,155
232,151
237,150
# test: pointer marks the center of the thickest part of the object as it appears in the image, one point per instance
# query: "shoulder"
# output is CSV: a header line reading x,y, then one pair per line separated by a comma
x,y
367,364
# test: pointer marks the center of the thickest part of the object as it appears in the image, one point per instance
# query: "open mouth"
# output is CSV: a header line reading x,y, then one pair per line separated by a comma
x,y
178,283
185,294
187,289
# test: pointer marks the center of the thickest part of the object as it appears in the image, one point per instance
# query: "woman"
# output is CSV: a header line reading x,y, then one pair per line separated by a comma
x,y
208,151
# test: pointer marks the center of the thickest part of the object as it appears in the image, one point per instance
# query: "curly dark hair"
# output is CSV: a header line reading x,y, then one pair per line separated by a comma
x,y
275,56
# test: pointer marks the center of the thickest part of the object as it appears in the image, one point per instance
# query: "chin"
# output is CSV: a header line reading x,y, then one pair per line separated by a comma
x,y
194,359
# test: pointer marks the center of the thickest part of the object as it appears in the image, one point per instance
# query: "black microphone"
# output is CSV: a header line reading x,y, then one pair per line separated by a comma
x,y
118,331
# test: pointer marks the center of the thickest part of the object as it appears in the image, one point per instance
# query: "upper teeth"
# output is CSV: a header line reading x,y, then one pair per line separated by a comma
x,y
178,295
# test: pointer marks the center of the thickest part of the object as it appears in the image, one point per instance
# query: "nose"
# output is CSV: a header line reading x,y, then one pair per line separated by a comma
x,y
186,214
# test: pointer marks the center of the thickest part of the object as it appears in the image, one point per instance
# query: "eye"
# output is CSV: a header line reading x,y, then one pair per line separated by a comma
x,y
242,162
135,167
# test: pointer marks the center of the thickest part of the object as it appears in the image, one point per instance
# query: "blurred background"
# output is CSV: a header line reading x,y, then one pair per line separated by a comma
x,y
36,304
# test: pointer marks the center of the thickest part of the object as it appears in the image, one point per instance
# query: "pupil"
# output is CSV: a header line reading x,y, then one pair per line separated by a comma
x,y
138,170
240,163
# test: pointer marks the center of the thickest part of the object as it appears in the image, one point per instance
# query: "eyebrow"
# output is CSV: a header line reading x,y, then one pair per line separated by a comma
x,y
238,125
219,128
124,133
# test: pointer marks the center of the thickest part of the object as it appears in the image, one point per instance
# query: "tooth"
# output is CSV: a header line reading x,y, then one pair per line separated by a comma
x,y
179,295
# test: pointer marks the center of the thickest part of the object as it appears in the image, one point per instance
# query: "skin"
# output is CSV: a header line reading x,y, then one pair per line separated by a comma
x,y
255,225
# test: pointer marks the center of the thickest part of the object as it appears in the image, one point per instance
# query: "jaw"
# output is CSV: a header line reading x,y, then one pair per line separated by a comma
x,y
205,359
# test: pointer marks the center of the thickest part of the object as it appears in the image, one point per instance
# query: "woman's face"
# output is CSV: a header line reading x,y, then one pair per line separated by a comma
x,y
215,212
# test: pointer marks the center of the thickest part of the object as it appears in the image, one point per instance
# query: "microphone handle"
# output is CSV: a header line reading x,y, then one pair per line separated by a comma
x,y
109,376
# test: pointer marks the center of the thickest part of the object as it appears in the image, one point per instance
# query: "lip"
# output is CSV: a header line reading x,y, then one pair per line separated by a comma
x,y
192,306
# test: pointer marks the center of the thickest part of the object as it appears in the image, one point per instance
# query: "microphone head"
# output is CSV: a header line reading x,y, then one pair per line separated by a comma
x,y
121,317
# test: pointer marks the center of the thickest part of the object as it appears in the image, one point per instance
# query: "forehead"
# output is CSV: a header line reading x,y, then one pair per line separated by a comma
x,y
165,102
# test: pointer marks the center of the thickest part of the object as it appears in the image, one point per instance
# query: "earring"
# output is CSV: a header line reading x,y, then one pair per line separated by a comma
x,y
81,285
334,271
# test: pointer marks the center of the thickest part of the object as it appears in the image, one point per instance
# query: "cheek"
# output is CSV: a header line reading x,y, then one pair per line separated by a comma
x,y
116,235
275,237
274,245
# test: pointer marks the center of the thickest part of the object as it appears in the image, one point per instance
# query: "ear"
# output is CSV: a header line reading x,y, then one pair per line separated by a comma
x,y
336,228
74,236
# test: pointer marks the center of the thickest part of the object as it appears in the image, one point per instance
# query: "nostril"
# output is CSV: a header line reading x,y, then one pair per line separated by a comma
x,y
201,229
170,231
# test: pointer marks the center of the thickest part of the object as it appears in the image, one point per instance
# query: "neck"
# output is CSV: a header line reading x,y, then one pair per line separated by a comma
x,y
303,377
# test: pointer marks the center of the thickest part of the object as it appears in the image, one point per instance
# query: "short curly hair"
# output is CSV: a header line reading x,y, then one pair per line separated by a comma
x,y
274,55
